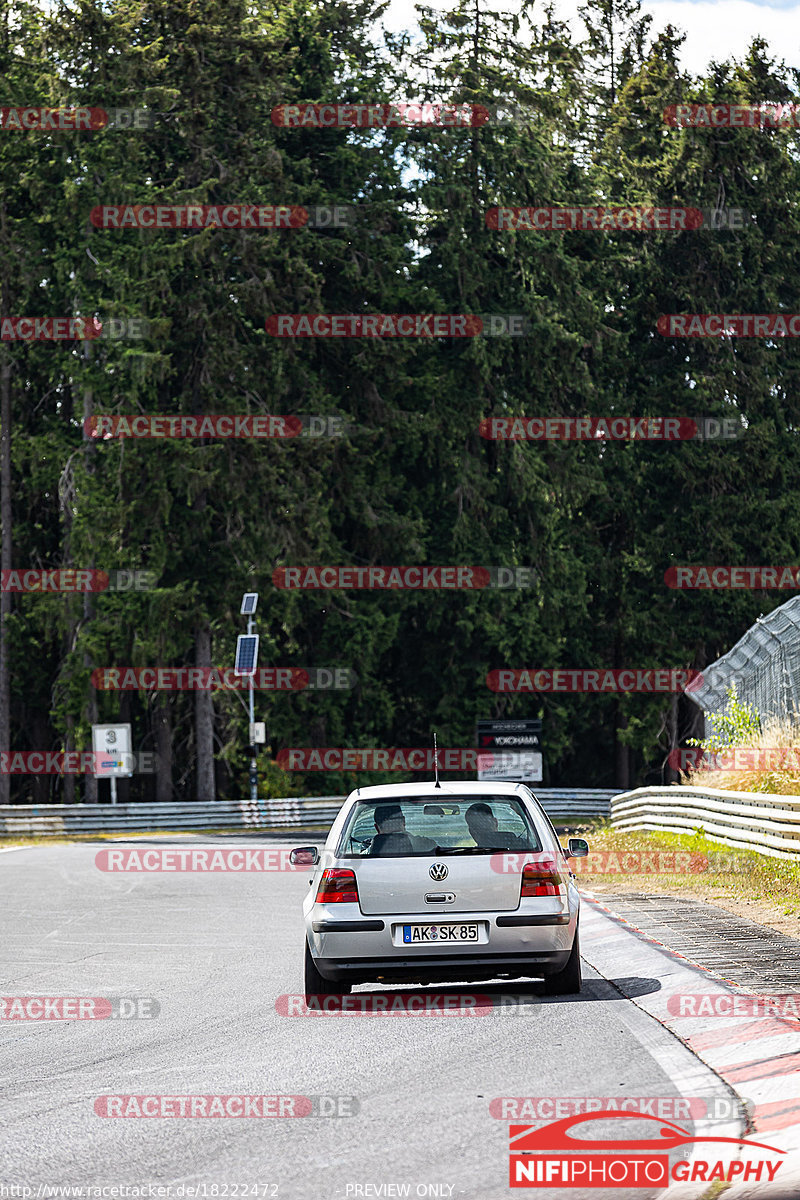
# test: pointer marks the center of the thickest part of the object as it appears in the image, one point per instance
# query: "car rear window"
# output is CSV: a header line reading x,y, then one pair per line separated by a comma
x,y
419,826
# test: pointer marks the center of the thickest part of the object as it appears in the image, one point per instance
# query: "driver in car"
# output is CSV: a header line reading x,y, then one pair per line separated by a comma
x,y
482,825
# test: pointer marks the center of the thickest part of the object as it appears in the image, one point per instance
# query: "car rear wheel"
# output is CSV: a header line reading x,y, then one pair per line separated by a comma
x,y
315,984
568,980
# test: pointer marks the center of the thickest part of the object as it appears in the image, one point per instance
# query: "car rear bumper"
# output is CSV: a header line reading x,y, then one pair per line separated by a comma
x,y
432,968
513,944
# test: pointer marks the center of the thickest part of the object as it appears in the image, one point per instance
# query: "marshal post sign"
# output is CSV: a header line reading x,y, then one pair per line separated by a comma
x,y
510,750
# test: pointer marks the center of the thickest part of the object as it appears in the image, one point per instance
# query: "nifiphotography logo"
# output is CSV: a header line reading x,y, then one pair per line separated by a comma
x,y
552,1156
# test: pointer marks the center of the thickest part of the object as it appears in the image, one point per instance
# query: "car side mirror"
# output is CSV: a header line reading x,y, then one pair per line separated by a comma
x,y
577,848
304,856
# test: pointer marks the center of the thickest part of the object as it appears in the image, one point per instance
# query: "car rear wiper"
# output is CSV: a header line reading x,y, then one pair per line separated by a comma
x,y
481,850
465,850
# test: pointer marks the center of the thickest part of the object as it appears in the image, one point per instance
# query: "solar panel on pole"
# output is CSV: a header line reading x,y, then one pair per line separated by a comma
x,y
246,654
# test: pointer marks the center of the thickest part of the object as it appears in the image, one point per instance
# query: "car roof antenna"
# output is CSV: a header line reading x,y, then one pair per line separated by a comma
x,y
436,759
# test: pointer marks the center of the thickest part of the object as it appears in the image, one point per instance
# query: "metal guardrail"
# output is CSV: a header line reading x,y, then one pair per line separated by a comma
x,y
289,812
745,820
219,814
755,821
575,802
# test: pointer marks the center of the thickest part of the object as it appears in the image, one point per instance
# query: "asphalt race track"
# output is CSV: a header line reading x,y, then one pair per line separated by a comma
x,y
214,952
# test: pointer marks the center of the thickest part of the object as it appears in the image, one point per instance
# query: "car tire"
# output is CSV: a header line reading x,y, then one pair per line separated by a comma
x,y
315,984
567,981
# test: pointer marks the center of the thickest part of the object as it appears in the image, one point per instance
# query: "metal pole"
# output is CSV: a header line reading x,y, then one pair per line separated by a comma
x,y
253,763
113,789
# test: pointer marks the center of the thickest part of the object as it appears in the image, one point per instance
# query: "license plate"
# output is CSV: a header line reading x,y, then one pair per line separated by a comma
x,y
440,933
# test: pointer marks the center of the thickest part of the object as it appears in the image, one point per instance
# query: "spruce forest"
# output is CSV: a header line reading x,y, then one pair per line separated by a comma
x,y
391,466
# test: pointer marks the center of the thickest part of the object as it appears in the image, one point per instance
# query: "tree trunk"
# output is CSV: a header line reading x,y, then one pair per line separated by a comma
x,y
125,718
90,782
622,752
671,773
163,722
68,781
204,720
622,757
5,560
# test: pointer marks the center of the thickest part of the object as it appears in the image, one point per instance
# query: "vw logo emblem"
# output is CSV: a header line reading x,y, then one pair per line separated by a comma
x,y
438,871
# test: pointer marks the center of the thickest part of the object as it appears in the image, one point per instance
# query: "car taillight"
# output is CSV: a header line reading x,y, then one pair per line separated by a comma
x,y
337,886
543,878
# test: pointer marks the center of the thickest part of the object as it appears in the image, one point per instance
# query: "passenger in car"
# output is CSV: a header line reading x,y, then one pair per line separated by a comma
x,y
482,825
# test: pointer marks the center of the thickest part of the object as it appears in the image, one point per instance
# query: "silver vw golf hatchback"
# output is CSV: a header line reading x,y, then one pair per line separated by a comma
x,y
424,883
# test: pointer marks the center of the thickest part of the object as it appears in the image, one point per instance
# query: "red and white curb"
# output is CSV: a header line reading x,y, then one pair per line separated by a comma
x,y
757,1057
